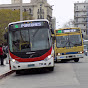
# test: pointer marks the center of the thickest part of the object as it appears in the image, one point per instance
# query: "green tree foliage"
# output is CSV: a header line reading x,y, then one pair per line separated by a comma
x,y
7,16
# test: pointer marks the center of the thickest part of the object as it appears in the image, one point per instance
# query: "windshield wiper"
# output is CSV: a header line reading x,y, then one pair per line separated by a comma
x,y
75,44
66,44
69,42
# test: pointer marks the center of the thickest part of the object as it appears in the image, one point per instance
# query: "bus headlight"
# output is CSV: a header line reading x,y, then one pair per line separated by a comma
x,y
14,61
81,52
47,58
59,54
85,51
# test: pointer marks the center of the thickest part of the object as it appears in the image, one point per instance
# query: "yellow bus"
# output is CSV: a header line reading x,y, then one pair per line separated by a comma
x,y
68,44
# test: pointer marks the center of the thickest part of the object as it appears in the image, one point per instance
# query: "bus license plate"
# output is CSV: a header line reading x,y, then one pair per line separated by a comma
x,y
31,65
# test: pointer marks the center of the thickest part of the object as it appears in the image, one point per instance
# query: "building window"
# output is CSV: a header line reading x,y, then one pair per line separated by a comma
x,y
29,10
42,11
77,14
77,25
41,16
77,20
38,10
77,7
24,10
84,12
38,16
40,5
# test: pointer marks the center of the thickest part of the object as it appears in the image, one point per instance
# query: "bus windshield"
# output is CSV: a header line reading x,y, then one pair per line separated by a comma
x,y
29,39
68,41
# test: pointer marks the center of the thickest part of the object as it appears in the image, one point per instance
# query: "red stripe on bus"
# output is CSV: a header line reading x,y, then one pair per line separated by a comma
x,y
31,59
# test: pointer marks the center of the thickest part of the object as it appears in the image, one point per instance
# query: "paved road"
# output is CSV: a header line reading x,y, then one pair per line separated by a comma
x,y
65,75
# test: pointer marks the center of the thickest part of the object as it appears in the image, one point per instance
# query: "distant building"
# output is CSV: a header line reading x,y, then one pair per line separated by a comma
x,y
38,9
81,16
15,1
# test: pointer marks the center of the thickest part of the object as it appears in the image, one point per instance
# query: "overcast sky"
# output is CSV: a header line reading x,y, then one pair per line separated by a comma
x,y
63,10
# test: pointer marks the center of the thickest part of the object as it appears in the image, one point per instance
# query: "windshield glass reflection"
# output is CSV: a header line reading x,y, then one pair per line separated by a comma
x,y
29,40
68,41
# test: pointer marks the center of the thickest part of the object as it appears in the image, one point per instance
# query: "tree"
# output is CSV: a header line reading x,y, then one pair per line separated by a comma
x,y
7,16
70,23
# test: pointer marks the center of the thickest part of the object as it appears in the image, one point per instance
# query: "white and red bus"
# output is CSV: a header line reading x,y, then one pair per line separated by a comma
x,y
30,45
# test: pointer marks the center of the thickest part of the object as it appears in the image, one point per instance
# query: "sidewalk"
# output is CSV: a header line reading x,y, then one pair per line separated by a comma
x,y
4,70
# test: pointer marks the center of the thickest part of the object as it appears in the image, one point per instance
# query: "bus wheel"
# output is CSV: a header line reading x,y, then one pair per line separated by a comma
x,y
18,72
76,59
63,60
51,68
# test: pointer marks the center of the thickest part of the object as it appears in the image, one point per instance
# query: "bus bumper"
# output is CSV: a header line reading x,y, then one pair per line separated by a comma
x,y
70,56
30,65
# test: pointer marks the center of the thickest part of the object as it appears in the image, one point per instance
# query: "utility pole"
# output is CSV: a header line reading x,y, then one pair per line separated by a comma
x,y
21,12
87,22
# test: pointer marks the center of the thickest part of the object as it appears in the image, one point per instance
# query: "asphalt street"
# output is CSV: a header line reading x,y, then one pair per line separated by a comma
x,y
65,75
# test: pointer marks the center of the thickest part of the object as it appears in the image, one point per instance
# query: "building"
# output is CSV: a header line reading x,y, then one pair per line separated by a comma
x,y
81,16
15,1
38,9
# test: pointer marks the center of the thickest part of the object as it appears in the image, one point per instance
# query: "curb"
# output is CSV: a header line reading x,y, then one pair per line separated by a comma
x,y
6,74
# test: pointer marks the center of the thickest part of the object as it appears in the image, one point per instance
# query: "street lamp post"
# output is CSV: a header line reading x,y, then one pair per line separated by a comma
x,y
21,16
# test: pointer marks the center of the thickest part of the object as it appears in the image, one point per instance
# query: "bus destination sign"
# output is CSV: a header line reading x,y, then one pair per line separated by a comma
x,y
28,24
67,31
23,25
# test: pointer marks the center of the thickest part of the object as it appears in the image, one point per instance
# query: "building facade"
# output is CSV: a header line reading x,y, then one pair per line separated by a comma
x,y
81,16
15,1
38,9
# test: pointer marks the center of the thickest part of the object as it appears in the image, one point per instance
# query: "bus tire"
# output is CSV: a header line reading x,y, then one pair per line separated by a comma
x,y
76,59
18,72
63,60
51,68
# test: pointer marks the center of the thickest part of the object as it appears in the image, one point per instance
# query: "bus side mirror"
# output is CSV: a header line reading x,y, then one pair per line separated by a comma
x,y
82,35
6,36
52,31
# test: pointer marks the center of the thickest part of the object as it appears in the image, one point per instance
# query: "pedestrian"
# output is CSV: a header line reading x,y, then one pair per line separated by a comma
x,y
1,56
6,52
3,47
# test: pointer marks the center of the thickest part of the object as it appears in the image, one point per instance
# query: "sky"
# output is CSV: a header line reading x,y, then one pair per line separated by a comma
x,y
63,10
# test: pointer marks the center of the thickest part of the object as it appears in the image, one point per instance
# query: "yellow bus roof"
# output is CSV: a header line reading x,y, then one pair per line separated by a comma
x,y
68,28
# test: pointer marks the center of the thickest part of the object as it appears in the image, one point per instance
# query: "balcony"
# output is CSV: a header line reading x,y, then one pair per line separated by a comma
x,y
80,10
81,16
81,22
40,12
